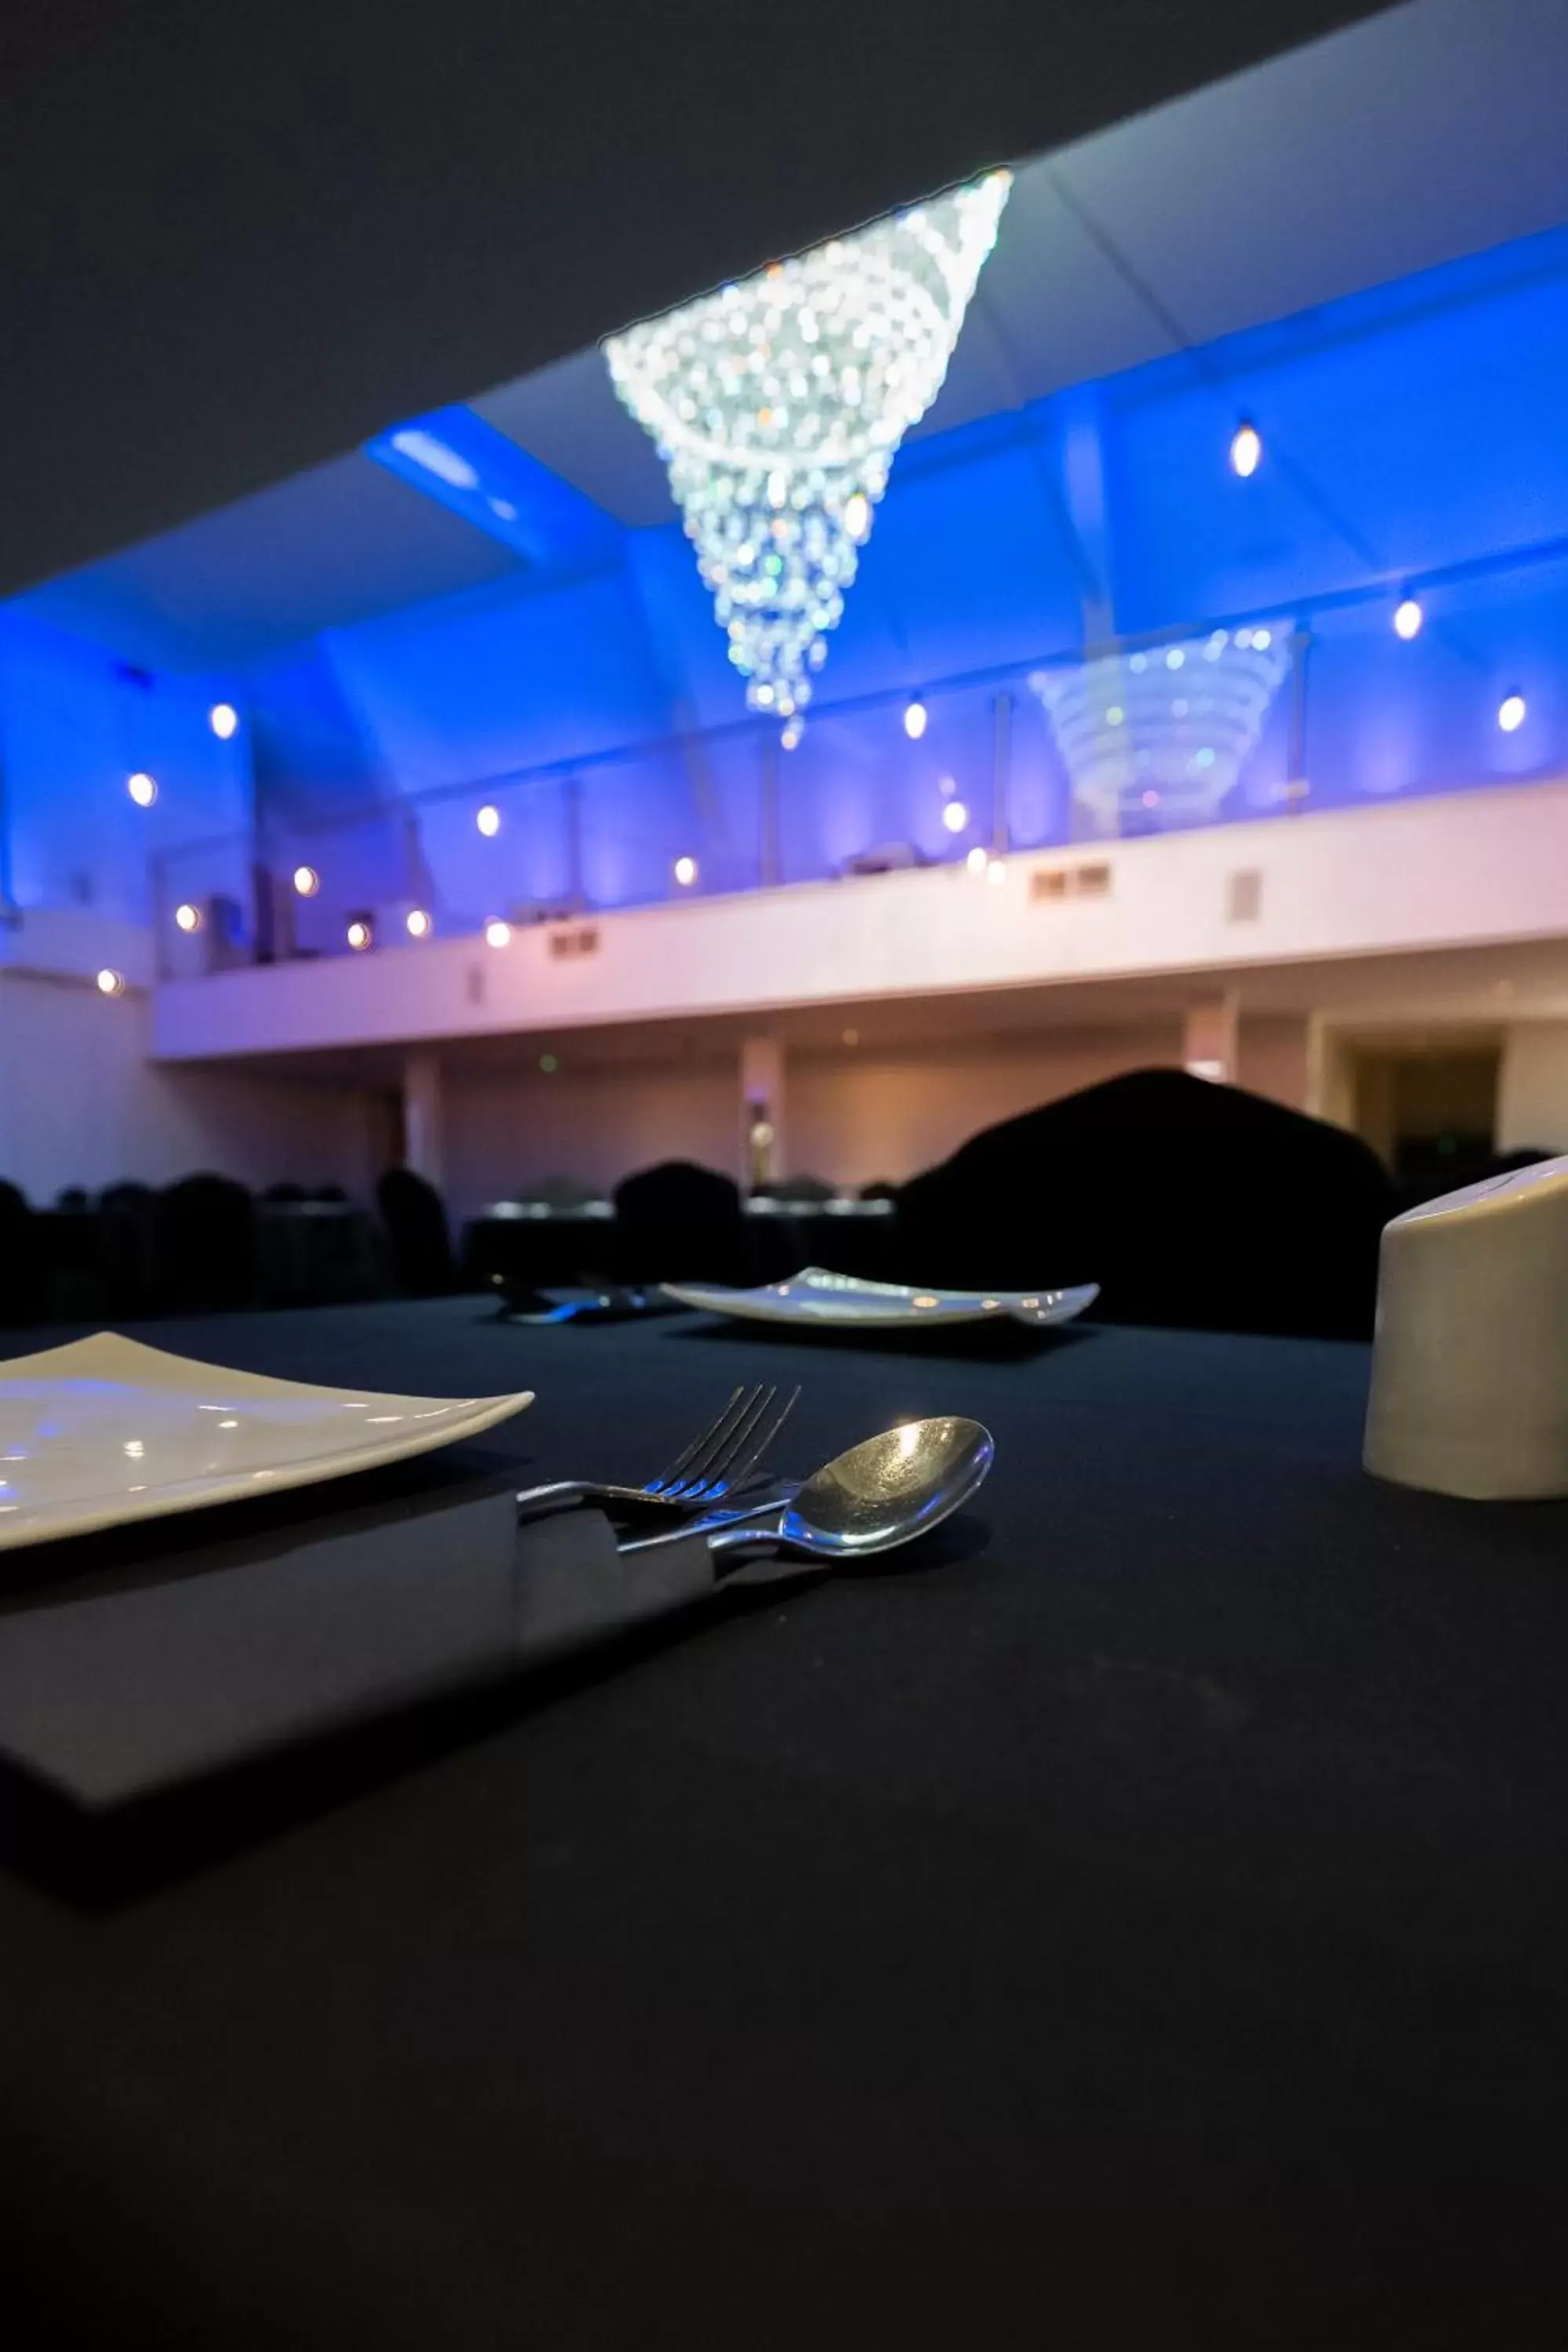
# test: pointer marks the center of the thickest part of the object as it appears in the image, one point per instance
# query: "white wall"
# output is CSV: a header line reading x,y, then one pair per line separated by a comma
x,y
80,1104
506,1132
1477,868
855,1118
850,1116
1533,1088
1272,1058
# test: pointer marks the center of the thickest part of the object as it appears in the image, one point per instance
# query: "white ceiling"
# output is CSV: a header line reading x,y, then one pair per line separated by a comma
x,y
1422,134
336,544
1428,132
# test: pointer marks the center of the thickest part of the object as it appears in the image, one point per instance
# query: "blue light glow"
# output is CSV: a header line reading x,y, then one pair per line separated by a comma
x,y
454,456
599,660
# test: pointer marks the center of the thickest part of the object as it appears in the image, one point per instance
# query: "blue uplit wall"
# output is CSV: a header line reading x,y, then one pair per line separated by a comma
x,y
1428,412
1425,418
1408,430
74,725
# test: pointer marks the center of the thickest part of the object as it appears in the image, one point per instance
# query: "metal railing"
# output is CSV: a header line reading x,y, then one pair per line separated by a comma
x,y
1358,714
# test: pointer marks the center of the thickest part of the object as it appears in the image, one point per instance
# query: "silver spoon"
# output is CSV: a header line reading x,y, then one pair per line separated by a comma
x,y
880,1494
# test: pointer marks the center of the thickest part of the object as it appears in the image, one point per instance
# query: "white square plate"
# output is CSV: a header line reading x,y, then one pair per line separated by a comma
x,y
846,1302
105,1431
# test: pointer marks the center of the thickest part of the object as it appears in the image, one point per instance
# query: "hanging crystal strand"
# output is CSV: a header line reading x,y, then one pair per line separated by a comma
x,y
778,406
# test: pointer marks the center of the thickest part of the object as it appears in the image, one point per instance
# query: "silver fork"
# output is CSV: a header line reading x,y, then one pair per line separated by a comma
x,y
717,1462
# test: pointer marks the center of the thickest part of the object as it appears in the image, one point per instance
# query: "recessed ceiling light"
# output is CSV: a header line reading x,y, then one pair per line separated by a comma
x,y
436,458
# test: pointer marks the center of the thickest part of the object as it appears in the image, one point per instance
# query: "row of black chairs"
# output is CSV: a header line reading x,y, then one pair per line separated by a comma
x,y
1190,1204
677,1221
206,1243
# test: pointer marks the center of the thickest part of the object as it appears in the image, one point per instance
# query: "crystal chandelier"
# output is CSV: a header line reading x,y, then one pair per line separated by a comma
x,y
778,406
1160,736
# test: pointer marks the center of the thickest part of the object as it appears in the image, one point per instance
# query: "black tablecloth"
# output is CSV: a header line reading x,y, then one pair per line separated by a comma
x,y
1140,1925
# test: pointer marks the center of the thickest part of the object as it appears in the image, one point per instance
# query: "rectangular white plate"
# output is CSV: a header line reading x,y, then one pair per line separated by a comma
x,y
844,1300
105,1431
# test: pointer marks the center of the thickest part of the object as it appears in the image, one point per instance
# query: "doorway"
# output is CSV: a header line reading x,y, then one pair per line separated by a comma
x,y
1429,1110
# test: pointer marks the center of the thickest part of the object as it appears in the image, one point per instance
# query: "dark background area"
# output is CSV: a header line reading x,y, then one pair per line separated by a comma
x,y
235,242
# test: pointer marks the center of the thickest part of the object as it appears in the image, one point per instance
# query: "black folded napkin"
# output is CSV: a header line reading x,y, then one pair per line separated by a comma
x,y
119,1680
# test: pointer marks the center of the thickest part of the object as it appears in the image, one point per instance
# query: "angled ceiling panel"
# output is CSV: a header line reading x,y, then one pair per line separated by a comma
x,y
335,544
234,244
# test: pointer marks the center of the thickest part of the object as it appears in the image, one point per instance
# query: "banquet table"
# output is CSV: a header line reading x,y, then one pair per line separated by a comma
x,y
312,1252
532,1243
1136,1920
